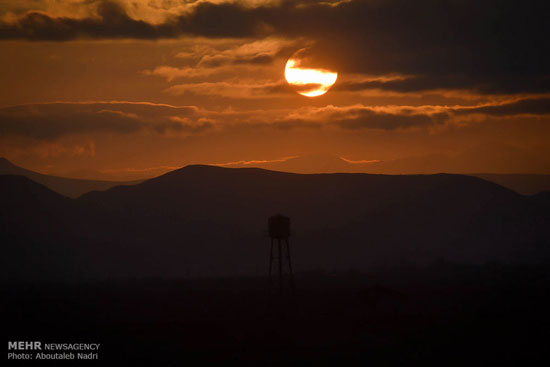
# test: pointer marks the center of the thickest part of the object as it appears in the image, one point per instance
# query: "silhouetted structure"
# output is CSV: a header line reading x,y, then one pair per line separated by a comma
x,y
279,229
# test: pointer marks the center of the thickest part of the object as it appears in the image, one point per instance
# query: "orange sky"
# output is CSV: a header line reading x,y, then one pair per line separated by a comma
x,y
128,89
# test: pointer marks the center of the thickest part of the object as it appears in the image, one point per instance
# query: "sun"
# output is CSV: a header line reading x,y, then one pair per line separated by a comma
x,y
308,81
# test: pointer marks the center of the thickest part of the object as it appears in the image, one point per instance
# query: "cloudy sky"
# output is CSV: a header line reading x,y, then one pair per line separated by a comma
x,y
132,88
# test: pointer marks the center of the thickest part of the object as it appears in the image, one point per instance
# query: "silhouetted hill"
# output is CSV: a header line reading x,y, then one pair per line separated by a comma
x,y
526,184
70,187
203,220
38,230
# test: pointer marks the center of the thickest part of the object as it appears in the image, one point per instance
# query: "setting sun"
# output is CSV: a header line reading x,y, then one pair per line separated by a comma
x,y
311,82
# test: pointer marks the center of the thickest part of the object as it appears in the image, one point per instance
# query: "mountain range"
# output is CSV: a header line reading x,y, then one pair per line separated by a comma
x,y
526,184
208,221
523,183
70,187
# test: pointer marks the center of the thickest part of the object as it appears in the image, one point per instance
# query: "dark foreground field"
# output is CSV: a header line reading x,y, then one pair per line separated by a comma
x,y
442,315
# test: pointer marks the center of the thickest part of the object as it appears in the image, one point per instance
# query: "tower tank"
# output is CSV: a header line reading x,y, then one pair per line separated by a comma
x,y
279,226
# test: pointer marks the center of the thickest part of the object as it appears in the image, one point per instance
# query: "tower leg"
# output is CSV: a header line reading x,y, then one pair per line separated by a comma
x,y
280,267
270,267
291,274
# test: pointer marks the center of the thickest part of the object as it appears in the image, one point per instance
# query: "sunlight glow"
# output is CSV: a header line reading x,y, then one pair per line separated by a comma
x,y
319,80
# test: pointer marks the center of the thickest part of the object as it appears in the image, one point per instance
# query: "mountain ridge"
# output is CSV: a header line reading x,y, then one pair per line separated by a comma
x,y
525,184
70,187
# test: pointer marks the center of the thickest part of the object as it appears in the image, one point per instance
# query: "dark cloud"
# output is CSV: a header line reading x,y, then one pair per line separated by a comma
x,y
256,60
366,117
112,22
53,120
221,60
384,121
223,20
534,106
493,46
406,117
499,84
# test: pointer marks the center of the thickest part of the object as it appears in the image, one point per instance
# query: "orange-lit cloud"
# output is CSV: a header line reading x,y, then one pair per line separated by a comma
x,y
252,162
361,161
227,89
48,121
225,60
52,120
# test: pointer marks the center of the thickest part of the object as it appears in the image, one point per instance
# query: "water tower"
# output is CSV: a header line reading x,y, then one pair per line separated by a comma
x,y
279,230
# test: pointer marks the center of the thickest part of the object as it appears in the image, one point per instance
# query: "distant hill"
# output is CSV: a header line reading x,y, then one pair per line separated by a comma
x,y
526,184
204,220
37,228
70,187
